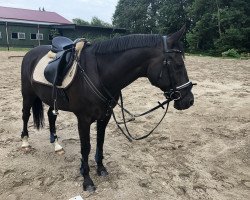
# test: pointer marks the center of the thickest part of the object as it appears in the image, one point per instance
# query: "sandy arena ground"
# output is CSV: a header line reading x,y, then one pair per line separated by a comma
x,y
199,153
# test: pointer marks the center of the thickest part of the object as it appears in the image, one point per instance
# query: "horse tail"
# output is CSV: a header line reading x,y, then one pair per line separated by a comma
x,y
38,117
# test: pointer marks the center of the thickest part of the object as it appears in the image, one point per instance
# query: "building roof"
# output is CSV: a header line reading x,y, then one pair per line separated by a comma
x,y
31,16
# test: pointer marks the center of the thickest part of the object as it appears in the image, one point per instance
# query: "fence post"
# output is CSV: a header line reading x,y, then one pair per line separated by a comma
x,y
7,35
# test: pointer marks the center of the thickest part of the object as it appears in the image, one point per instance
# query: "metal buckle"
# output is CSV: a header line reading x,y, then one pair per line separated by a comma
x,y
175,95
166,94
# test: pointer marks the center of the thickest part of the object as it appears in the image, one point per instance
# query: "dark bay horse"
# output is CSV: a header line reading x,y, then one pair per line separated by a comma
x,y
110,66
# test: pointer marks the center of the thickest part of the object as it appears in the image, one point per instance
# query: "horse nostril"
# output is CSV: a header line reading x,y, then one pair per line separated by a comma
x,y
191,102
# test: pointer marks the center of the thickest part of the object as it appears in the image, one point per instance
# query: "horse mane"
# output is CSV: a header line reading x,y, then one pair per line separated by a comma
x,y
124,43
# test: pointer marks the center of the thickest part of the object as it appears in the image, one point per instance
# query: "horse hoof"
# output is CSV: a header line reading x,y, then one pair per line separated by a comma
x,y
89,188
26,149
102,173
60,152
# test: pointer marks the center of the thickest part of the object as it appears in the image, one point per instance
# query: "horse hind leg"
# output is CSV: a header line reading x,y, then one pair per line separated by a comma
x,y
27,104
25,134
53,136
30,100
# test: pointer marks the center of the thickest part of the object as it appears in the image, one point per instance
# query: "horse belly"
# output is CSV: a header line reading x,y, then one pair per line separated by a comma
x,y
45,94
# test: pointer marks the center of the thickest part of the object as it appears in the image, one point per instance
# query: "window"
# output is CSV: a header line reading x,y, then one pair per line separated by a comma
x,y
50,37
36,36
0,35
14,36
21,36
33,36
39,36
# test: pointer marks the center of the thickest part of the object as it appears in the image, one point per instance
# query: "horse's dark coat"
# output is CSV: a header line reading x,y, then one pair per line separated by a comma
x,y
114,64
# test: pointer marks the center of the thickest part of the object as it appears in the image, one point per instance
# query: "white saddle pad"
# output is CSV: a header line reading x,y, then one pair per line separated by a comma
x,y
38,73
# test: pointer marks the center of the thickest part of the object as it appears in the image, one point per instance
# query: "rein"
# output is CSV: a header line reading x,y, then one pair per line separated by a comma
x,y
91,85
128,135
161,105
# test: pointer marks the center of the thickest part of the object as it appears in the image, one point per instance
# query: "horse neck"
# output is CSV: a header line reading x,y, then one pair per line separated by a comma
x,y
120,70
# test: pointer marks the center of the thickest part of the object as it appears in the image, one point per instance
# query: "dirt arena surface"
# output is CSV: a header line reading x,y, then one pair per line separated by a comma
x,y
199,153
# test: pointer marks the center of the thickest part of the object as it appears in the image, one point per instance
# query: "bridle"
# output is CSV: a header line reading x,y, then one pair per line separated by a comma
x,y
174,93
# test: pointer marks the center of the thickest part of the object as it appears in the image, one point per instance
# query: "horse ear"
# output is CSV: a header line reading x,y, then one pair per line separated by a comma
x,y
175,37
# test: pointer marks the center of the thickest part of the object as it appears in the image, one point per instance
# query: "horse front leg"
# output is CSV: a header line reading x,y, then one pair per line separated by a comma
x,y
84,133
101,127
53,136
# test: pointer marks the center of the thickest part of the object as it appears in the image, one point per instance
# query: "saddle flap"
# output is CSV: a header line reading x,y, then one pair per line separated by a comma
x,y
55,70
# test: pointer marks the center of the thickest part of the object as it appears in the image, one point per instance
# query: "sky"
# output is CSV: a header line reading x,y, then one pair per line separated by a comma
x,y
69,9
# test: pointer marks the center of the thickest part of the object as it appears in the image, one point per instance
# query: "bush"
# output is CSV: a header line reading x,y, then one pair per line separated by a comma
x,y
231,53
245,55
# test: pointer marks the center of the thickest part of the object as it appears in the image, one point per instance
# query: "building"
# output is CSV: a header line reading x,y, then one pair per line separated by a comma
x,y
30,28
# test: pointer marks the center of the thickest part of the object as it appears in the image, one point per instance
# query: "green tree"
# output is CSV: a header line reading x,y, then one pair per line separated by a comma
x,y
214,26
95,21
54,32
172,14
219,25
79,21
203,28
138,16
235,25
151,16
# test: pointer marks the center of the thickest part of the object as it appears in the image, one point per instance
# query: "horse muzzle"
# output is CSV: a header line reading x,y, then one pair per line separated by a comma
x,y
182,96
184,103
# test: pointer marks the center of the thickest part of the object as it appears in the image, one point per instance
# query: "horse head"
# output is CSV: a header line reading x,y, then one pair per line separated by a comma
x,y
167,71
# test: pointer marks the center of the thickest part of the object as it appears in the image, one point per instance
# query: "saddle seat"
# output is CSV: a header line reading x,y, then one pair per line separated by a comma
x,y
61,44
65,54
